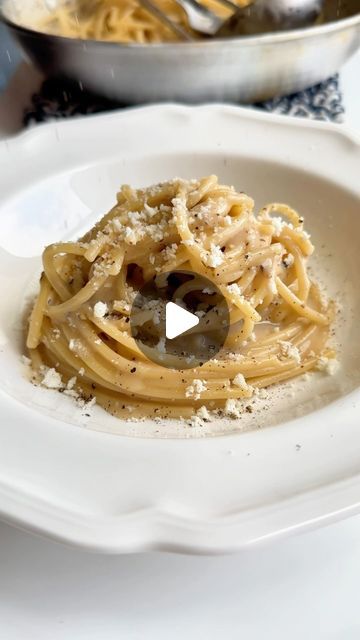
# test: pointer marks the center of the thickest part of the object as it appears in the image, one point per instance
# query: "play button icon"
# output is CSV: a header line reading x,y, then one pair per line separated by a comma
x,y
179,319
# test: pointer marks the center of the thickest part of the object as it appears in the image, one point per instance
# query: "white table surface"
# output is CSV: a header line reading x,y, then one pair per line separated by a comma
x,y
303,587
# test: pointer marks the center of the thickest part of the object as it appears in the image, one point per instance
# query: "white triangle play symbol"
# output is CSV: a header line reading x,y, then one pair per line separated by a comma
x,y
178,320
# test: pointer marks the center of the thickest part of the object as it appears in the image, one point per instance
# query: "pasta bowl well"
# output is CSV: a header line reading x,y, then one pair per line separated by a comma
x,y
118,486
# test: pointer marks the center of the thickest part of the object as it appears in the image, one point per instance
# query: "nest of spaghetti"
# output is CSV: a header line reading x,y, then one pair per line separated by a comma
x,y
79,338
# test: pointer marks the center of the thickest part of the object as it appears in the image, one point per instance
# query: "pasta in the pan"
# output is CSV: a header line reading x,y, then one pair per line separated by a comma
x,y
120,20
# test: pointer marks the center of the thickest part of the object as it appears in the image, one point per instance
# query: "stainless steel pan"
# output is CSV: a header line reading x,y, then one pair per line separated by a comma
x,y
244,69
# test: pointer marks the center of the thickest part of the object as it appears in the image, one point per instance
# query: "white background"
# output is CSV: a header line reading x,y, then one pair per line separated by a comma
x,y
303,587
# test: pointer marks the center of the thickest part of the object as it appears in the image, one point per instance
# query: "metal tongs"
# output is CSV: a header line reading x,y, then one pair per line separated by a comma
x,y
261,16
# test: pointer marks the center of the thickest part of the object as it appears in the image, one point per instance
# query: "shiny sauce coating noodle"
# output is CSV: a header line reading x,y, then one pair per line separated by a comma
x,y
279,319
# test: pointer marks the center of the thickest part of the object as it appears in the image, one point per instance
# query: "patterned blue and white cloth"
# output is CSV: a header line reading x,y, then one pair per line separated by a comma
x,y
321,102
59,98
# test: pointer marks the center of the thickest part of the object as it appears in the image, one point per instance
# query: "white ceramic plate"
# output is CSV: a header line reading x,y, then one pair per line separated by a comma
x,y
88,481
